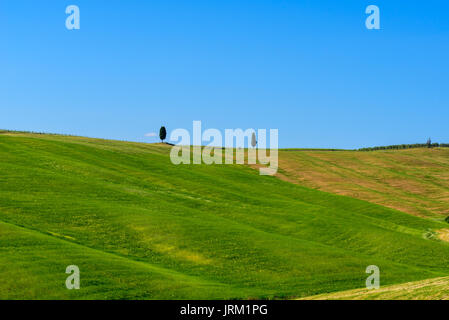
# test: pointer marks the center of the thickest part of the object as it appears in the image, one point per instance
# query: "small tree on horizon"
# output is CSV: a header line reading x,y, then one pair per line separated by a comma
x,y
162,133
429,143
253,140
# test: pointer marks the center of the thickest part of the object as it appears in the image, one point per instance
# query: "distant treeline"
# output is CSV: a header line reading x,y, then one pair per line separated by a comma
x,y
407,146
36,132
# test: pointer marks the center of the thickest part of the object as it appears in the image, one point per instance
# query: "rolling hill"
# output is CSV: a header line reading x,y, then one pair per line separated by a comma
x,y
415,181
140,227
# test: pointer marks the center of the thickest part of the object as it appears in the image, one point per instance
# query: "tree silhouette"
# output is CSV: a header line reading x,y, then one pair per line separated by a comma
x,y
429,143
253,140
162,133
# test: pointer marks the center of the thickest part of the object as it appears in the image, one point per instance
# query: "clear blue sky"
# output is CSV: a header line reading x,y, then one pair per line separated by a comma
x,y
308,68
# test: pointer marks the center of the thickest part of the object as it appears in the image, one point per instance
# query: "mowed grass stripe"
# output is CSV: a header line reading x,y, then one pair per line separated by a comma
x,y
429,289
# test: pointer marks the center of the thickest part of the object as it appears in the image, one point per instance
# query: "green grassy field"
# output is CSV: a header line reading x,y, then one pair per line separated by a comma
x,y
140,227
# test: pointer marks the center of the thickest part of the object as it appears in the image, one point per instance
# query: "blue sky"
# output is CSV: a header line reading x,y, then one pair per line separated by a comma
x,y
308,68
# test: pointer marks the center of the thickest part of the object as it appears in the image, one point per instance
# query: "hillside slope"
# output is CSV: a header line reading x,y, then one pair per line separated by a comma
x,y
431,289
140,227
415,181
